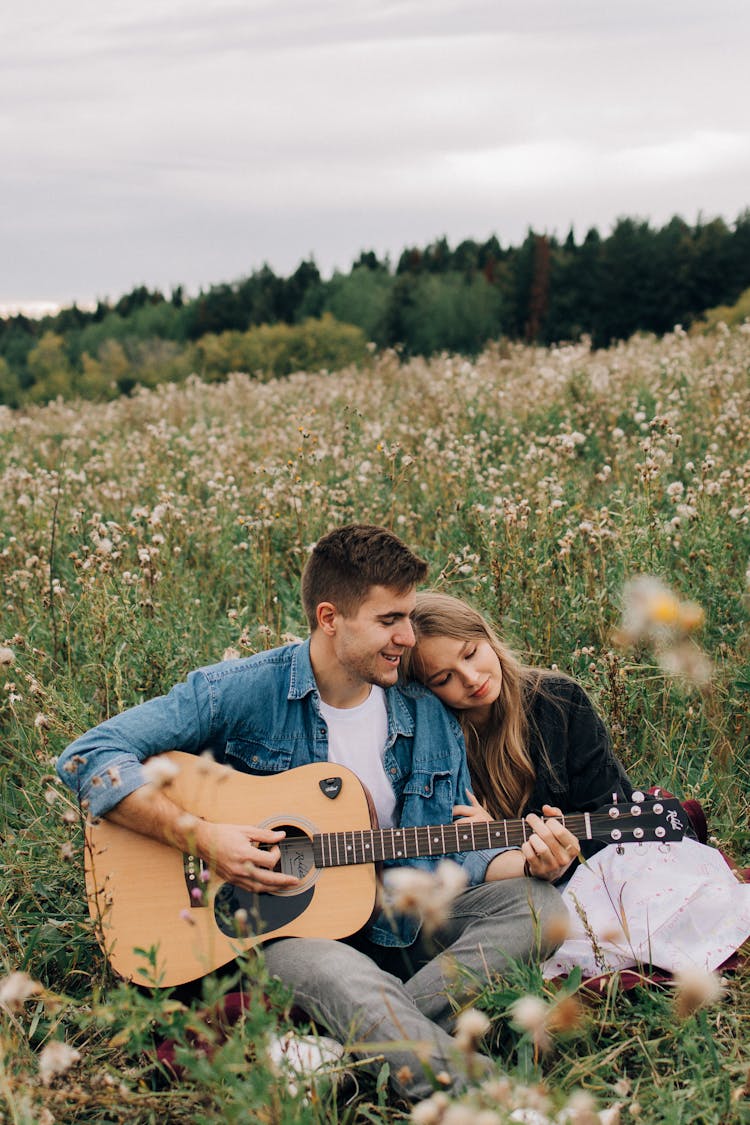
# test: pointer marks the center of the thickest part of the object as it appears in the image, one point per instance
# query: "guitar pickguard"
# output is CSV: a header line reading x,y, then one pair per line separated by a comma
x,y
263,913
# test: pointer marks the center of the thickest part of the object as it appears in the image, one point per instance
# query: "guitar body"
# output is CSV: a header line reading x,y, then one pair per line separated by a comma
x,y
160,924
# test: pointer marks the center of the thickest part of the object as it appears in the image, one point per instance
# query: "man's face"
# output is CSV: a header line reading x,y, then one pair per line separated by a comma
x,y
369,645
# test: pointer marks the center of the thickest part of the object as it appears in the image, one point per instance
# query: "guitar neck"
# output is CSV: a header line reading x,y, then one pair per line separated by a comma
x,y
339,849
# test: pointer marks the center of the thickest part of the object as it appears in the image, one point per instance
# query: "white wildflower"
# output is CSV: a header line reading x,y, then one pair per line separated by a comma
x,y
696,988
530,1014
471,1026
159,771
16,989
580,1110
55,1059
431,1110
424,894
458,1114
687,662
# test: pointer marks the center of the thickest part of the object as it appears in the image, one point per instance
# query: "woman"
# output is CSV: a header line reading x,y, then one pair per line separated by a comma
x,y
533,739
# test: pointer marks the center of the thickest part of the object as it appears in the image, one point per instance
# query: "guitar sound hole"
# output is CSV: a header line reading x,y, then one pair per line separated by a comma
x,y
296,852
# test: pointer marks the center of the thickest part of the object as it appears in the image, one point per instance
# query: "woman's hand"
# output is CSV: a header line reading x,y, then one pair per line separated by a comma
x,y
472,811
550,850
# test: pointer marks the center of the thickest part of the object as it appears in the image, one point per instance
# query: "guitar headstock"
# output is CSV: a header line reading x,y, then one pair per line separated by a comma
x,y
639,820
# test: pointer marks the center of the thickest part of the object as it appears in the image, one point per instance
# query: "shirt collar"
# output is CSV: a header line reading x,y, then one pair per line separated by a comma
x,y
302,683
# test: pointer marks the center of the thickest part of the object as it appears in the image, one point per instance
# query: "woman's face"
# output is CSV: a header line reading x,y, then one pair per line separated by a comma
x,y
464,674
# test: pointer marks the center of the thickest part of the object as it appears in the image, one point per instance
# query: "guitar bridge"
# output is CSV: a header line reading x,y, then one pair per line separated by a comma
x,y
196,879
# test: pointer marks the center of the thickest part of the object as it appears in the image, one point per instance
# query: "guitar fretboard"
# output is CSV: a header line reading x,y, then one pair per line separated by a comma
x,y
338,849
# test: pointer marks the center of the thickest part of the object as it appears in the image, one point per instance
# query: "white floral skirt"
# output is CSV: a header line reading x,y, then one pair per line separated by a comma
x,y
670,906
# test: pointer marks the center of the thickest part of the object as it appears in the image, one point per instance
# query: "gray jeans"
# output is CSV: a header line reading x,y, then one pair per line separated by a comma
x,y
406,1016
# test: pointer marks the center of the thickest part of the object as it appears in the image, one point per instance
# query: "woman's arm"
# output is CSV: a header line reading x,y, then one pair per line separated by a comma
x,y
547,854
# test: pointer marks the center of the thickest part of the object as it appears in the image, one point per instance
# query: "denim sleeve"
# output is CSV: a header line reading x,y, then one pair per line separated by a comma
x,y
104,765
475,864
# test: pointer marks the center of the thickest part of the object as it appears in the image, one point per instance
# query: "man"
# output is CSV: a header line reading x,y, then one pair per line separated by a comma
x,y
334,697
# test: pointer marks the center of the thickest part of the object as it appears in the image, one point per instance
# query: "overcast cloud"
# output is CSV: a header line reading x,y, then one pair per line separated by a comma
x,y
175,142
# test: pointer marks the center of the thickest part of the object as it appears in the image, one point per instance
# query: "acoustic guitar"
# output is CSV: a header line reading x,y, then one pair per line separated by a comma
x,y
163,919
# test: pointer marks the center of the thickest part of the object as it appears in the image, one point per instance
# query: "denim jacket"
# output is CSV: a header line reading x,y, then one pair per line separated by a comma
x,y
262,715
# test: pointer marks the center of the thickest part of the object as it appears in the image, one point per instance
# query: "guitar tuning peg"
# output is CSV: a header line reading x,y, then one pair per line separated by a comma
x,y
638,797
620,849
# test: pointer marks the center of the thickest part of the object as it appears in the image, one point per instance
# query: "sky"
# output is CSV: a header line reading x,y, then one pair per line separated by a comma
x,y
188,142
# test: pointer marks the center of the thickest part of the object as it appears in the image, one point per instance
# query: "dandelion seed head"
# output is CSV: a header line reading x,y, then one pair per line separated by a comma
x,y
7,656
55,1059
565,1014
404,1075
431,1110
694,989
581,1109
458,1114
471,1026
16,989
427,895
687,662
159,771
557,930
530,1012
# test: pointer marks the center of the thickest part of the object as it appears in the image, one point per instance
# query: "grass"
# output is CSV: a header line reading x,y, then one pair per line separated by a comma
x,y
147,536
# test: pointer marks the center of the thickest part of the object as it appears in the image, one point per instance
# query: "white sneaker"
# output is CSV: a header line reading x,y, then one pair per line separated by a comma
x,y
297,1057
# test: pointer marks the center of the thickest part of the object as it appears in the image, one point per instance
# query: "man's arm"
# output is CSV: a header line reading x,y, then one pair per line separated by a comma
x,y
105,768
231,850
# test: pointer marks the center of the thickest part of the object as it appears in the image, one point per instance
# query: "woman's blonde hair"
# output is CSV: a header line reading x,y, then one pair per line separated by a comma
x,y
502,771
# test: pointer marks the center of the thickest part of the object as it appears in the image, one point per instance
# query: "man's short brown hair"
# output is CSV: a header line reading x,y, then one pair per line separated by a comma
x,y
347,562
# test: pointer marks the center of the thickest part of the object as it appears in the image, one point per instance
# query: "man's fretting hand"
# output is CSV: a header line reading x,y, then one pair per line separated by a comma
x,y
551,848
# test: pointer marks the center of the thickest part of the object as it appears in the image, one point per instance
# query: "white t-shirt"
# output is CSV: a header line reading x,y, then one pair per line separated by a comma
x,y
356,739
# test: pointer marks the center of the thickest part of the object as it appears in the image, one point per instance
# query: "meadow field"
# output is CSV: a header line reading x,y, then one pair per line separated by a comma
x,y
147,536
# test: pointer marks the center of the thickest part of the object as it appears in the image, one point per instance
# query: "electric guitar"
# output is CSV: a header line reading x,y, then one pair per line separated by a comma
x,y
163,919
